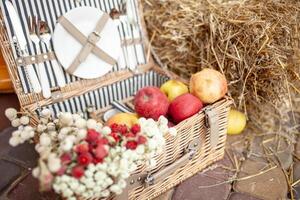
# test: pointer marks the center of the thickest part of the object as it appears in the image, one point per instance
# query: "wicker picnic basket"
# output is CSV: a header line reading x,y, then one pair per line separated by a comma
x,y
200,140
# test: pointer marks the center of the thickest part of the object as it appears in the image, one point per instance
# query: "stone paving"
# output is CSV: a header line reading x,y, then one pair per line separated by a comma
x,y
237,176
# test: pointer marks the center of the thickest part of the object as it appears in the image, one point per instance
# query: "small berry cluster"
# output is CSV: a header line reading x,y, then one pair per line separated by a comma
x,y
95,147
132,137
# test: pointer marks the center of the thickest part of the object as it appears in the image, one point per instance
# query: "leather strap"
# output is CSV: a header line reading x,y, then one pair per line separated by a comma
x,y
212,122
40,58
89,43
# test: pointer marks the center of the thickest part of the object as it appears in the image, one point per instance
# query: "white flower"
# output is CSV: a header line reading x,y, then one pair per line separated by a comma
x,y
90,183
80,123
92,167
132,167
105,193
25,135
63,186
11,113
56,188
127,154
116,189
152,144
15,123
65,119
46,113
85,195
124,175
28,128
163,120
71,138
81,188
51,126
122,183
31,134
66,145
54,164
40,128
44,121
173,131
109,181
72,198
100,175
151,122
88,173
16,133
65,178
45,140
81,134
65,130
91,123
14,141
39,148
140,149
163,129
36,172
53,134
142,121
67,192
102,166
106,130
24,120
112,169
76,116
74,185
124,163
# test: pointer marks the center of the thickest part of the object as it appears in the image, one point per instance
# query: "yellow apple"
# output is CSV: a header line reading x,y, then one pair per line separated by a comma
x,y
128,119
173,89
236,122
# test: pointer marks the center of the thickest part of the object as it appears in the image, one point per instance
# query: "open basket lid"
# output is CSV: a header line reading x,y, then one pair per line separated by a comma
x,y
132,32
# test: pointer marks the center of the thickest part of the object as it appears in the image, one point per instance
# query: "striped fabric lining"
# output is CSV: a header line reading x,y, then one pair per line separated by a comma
x,y
104,96
50,11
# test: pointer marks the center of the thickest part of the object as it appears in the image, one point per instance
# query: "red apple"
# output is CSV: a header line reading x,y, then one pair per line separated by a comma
x,y
184,106
150,102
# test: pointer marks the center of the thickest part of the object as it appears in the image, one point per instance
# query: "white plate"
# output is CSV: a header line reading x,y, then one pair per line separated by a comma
x,y
67,48
108,114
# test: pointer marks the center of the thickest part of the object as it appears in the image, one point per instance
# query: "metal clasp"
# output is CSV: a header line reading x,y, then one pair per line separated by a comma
x,y
149,179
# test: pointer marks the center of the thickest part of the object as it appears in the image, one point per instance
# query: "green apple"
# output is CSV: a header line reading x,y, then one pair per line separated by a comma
x,y
173,89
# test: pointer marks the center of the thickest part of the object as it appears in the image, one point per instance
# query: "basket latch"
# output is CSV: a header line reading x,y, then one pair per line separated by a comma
x,y
212,123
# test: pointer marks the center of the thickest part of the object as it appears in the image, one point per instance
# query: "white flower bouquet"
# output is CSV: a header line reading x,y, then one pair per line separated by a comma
x,y
83,158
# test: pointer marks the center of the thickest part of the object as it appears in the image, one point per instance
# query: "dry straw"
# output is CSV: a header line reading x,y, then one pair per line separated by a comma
x,y
254,43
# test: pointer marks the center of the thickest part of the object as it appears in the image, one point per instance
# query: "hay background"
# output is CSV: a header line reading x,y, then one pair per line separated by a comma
x,y
255,43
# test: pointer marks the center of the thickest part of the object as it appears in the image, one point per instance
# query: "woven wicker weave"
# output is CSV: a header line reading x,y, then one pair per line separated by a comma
x,y
188,130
